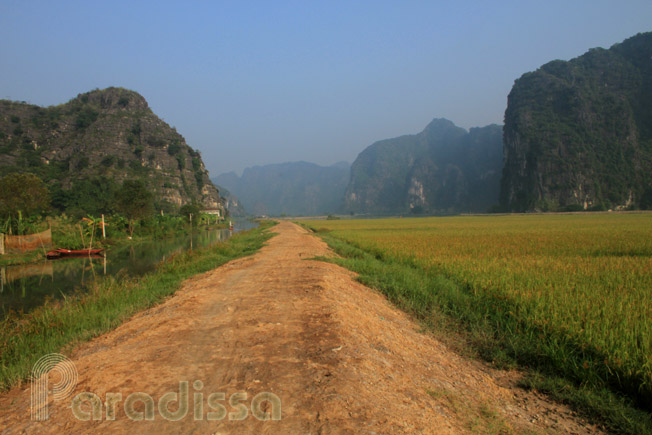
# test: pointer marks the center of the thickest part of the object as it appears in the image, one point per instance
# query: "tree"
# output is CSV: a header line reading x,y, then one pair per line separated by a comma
x,y
24,193
134,201
193,209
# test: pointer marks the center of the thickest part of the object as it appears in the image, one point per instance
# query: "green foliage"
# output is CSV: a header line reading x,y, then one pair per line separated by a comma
x,y
22,193
134,201
193,209
156,141
646,199
123,101
136,129
139,150
82,163
199,178
166,207
181,161
92,196
85,117
137,168
174,148
109,161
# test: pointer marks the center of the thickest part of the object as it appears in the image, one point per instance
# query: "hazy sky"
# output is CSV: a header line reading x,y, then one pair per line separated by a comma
x,y
256,82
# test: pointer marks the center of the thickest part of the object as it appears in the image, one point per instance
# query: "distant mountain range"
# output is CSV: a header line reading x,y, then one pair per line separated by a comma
x,y
577,136
293,189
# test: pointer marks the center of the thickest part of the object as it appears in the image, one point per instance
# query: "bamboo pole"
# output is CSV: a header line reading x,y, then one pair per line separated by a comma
x,y
103,230
2,244
91,245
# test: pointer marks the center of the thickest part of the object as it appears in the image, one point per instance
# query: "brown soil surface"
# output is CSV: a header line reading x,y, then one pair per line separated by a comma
x,y
338,355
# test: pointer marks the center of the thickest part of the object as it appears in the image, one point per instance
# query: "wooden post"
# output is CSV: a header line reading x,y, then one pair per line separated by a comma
x,y
103,230
190,214
2,244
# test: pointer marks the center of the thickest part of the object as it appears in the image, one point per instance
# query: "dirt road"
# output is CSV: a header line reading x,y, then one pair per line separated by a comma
x,y
336,354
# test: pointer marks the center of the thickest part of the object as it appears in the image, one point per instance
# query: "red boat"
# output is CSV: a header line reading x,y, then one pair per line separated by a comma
x,y
57,253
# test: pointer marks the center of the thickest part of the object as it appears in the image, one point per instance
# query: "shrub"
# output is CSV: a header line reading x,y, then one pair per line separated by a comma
x,y
85,117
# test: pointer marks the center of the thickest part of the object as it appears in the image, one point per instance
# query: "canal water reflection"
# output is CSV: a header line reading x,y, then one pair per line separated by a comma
x,y
25,287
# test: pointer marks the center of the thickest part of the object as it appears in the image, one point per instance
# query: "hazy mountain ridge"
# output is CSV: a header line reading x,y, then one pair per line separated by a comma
x,y
443,169
578,134
293,188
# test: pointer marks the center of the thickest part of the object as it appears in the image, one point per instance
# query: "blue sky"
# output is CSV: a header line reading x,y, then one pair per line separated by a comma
x,y
255,82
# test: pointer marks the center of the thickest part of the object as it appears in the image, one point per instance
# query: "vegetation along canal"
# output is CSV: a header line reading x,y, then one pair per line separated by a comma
x,y
25,287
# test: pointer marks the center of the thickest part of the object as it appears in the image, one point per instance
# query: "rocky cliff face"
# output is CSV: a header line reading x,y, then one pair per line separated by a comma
x,y
578,134
110,133
443,169
232,203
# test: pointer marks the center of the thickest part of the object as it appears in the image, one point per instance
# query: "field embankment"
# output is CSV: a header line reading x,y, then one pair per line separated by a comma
x,y
566,296
59,325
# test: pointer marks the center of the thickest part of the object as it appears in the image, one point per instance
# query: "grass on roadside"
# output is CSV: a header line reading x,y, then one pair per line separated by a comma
x,y
484,326
58,327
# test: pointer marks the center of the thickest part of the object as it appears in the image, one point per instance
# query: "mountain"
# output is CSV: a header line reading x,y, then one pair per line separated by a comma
x,y
232,203
578,134
293,189
97,140
443,169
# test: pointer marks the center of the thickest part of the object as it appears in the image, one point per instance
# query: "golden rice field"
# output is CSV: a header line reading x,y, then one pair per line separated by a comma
x,y
587,276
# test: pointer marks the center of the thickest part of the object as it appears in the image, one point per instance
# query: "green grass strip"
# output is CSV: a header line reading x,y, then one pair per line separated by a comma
x,y
567,371
106,304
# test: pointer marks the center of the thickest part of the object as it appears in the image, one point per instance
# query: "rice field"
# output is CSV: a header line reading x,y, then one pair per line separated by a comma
x,y
586,278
